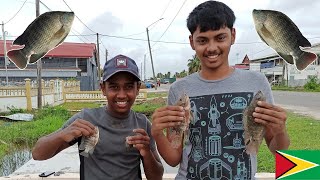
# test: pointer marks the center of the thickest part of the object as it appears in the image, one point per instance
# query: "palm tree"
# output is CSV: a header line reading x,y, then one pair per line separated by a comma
x,y
194,64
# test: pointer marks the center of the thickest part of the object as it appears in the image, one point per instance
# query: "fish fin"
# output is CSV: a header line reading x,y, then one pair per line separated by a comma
x,y
35,57
84,153
60,34
267,34
305,60
19,41
287,58
18,58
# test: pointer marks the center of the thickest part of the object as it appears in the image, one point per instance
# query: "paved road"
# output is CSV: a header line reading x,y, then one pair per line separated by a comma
x,y
307,103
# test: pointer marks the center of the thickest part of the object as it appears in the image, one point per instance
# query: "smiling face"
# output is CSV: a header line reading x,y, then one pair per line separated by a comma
x,y
121,90
212,48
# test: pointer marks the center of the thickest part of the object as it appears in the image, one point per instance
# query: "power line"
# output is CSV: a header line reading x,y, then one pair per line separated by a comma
x,y
171,22
79,18
16,12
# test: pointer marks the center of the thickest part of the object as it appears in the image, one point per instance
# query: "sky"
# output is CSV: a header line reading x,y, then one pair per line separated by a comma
x,y
122,24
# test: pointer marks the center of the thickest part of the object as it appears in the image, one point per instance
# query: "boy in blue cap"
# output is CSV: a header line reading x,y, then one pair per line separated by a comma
x,y
111,158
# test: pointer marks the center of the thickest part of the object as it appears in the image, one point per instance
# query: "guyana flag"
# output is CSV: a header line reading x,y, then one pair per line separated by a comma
x,y
298,164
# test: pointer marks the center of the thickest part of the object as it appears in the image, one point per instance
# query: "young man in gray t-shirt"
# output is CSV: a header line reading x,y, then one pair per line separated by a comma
x,y
124,135
215,147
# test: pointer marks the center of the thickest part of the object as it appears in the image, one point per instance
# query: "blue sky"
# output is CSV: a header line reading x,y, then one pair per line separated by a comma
x,y
129,19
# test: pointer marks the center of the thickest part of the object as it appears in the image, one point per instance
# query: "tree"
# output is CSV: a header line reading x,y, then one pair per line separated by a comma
x,y
194,64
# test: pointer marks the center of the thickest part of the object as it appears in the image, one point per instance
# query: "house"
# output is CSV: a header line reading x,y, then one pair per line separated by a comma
x,y
277,70
245,64
67,61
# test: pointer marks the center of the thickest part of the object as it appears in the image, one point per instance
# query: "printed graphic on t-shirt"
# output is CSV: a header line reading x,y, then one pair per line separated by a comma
x,y
217,137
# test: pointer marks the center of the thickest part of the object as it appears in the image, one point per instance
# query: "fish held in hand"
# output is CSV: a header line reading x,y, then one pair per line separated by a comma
x,y
88,143
253,132
46,32
178,133
280,33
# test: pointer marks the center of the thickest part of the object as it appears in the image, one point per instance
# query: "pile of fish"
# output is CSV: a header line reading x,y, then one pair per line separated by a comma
x,y
46,32
88,143
179,134
280,33
253,132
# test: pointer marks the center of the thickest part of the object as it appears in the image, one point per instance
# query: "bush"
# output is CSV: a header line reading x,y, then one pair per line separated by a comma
x,y
312,84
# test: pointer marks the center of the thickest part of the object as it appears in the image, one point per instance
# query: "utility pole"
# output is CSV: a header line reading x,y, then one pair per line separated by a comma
x,y
154,76
144,68
98,58
141,71
5,52
39,65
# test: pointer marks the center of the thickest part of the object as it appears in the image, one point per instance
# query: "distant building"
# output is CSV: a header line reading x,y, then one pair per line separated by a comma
x,y
67,61
277,70
244,65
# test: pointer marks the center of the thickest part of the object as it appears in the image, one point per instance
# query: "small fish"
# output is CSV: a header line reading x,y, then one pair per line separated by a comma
x,y
88,143
253,132
280,33
46,32
176,134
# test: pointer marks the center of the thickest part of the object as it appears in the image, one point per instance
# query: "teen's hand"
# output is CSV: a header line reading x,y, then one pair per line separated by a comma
x,y
140,140
77,129
165,117
271,116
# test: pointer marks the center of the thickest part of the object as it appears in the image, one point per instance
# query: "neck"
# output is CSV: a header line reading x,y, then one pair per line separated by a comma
x,y
117,115
216,74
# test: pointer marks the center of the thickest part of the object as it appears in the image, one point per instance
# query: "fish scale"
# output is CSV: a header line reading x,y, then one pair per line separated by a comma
x,y
253,132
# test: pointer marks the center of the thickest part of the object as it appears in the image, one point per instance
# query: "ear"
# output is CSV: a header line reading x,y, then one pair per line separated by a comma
x,y
103,88
233,35
138,87
191,41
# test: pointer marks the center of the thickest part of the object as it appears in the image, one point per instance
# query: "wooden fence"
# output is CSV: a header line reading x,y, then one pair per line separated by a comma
x,y
53,92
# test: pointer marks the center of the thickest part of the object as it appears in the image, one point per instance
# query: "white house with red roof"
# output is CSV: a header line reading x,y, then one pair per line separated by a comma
x,y
67,61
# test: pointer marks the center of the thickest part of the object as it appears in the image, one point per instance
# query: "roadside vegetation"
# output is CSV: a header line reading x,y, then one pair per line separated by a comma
x,y
303,131
313,85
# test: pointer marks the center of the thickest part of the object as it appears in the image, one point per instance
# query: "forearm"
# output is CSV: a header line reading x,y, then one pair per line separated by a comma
x,y
280,141
171,155
48,146
153,168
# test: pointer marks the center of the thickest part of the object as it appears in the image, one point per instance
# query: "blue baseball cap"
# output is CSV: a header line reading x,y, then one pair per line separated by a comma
x,y
120,63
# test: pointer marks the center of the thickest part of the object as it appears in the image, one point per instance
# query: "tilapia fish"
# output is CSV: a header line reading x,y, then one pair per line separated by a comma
x,y
253,132
179,133
280,33
46,32
88,143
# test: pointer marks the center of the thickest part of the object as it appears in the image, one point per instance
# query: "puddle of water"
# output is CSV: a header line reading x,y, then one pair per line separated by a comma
x,y
14,160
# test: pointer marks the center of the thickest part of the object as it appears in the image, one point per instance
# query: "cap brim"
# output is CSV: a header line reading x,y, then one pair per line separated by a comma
x,y
122,70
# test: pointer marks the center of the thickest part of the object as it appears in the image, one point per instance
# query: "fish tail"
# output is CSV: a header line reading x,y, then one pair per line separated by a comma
x,y
18,58
305,60
252,147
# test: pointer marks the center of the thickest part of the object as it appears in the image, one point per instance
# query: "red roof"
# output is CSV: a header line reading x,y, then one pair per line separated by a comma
x,y
241,66
66,49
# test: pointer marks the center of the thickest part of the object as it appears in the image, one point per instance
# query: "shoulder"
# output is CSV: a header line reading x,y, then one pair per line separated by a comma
x,y
185,81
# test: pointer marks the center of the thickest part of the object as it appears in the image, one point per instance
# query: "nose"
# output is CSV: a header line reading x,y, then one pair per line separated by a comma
x,y
121,93
212,46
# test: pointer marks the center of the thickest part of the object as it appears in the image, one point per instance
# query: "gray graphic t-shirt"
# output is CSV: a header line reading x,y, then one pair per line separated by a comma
x,y
215,149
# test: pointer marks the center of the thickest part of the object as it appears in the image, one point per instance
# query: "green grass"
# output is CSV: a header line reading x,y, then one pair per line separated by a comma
x,y
79,105
157,94
304,135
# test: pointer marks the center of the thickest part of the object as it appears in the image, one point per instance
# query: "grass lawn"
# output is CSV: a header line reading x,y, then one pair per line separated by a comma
x,y
304,135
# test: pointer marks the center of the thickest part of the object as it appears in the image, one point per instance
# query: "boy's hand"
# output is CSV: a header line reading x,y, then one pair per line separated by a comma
x,y
141,141
165,117
271,116
77,129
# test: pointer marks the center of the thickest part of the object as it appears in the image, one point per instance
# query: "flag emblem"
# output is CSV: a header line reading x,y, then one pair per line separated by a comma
x,y
297,164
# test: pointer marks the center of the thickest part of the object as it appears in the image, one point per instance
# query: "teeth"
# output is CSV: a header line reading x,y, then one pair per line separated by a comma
x,y
214,56
121,103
